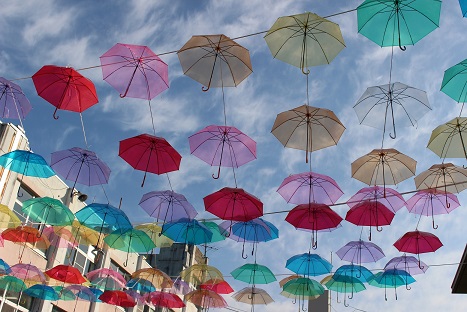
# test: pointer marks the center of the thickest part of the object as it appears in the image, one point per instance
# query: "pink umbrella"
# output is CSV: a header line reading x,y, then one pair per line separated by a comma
x,y
388,197
432,202
106,279
164,300
310,187
222,146
64,239
28,273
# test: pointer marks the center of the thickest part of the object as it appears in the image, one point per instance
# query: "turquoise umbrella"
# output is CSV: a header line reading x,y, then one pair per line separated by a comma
x,y
455,82
48,210
43,292
187,231
345,284
10,283
398,22
392,278
130,240
354,270
64,293
463,4
26,163
308,264
4,268
253,273
218,234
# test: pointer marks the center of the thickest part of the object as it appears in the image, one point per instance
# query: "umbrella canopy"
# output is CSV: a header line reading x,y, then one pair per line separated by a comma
x,y
63,238
253,273
307,128
77,233
118,298
188,231
446,177
8,219
28,273
4,268
389,197
154,232
106,279
149,153
304,40
253,231
220,287
26,163
283,281
47,210
12,283
24,235
405,104
130,241
409,264
222,146
308,264
43,292
360,251
344,284
215,61
449,140
252,295
218,233
164,300
308,187
82,292
397,22
64,293
304,288
198,274
370,213
353,270
65,88
140,285
13,102
103,218
155,276
80,166
463,4
167,206
417,242
205,298
134,71
233,204
392,278
66,274
454,79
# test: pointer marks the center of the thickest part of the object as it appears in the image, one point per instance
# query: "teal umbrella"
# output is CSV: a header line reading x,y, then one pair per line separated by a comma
x,y
10,283
392,278
64,293
397,22
253,273
130,240
26,163
344,284
455,82
218,234
48,210
302,289
42,291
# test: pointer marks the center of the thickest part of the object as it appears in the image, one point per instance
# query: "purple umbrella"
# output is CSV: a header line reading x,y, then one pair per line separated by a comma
x,y
222,146
181,287
13,102
360,251
167,206
81,166
310,187
409,264
386,196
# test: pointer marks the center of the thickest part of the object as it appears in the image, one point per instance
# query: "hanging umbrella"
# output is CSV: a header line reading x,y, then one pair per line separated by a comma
x,y
405,104
129,241
47,210
134,71
408,264
66,274
26,163
4,268
397,22
463,4
118,298
446,177
25,235
154,232
103,218
302,287
167,206
417,242
181,287
304,40
449,140
155,276
253,295
218,234
215,61
187,231
42,291
76,233
12,283
432,202
253,273
283,281
370,213
65,88
220,287
355,271
149,153
389,197
63,239
233,204
307,128
80,166
64,294
344,284
140,285
13,102
308,264
222,146
8,219
360,251
164,300
392,278
307,187
81,293
140,299
28,273
206,299
198,274
455,80
106,279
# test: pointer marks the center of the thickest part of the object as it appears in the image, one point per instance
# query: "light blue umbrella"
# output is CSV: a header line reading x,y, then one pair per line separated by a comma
x,y
188,231
308,264
4,268
354,270
42,291
463,4
26,163
140,285
392,278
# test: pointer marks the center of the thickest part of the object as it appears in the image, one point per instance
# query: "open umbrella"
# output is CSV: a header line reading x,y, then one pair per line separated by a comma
x,y
65,88
28,273
26,163
253,295
454,79
417,242
103,218
24,235
463,4
76,233
164,300
308,264
370,213
154,232
156,277
392,278
345,284
140,285
307,128
405,104
449,140
215,61
81,293
42,291
66,274
446,177
134,71
220,287
118,298
222,146
302,289
389,197
4,268
353,270
129,241
167,206
106,279
206,299
13,102
149,153
47,210
407,263
358,252
8,219
397,22
198,274
253,273
187,231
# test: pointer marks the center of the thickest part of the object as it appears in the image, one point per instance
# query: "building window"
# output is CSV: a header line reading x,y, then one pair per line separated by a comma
x,y
24,193
57,309
116,267
78,258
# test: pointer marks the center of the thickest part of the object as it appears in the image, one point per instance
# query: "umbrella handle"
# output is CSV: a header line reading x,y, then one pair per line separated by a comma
x,y
314,245
243,252
55,114
218,174
379,229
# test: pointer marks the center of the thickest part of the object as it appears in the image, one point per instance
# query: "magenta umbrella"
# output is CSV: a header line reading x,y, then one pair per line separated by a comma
x,y
309,187
389,197
417,242
27,272
167,206
222,146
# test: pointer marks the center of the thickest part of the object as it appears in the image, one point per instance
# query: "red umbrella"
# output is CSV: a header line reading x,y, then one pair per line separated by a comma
x,y
417,242
149,153
65,88
314,217
118,298
233,204
25,235
66,274
220,287
164,299
371,213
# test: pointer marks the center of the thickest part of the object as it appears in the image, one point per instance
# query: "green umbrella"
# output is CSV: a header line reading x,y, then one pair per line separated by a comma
x,y
253,273
397,22
302,287
345,284
64,294
217,233
12,283
129,240
48,210
455,82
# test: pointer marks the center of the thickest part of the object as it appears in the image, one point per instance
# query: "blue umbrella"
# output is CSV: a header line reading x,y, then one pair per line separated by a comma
x,y
103,218
42,291
392,278
188,231
4,268
463,4
96,291
308,264
26,163
141,285
357,271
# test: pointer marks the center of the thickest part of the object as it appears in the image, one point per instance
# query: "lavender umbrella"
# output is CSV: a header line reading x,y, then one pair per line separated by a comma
x,y
409,264
13,102
386,196
360,251
167,206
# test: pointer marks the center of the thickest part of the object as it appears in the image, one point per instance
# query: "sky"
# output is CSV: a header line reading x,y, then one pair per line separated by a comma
x,y
76,34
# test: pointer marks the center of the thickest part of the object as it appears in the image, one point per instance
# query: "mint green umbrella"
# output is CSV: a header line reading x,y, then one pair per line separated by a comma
x,y
64,293
344,284
130,240
455,82
253,273
397,22
48,210
218,234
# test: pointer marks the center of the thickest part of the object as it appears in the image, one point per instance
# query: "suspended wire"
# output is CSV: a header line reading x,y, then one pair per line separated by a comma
x,y
84,132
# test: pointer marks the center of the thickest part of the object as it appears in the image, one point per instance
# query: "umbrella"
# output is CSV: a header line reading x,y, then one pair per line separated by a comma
x,y
389,197
307,187
134,71
253,295
454,79
405,104
8,218
253,273
130,240
12,283
118,298
140,285
218,234
308,264
344,284
77,233
448,140
47,210
233,204
198,274
187,231
154,231
25,235
417,242
149,153
353,270
13,102
62,239
432,202
205,298
66,274
29,273
81,293
463,4
370,213
397,22
167,206
307,128
4,268
445,176
65,88
181,287
406,263
164,300
304,40
302,289
155,276
222,146
360,251
43,292
106,279
283,281
383,167
392,278
64,293
103,218
80,166
26,163
215,61
220,287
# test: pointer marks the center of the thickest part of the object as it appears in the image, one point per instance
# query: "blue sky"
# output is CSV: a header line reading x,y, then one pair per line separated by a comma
x,y
77,33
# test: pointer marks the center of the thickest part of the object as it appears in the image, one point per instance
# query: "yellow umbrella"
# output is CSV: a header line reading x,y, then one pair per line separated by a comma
x,y
201,273
80,233
157,278
449,140
446,177
154,231
8,219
